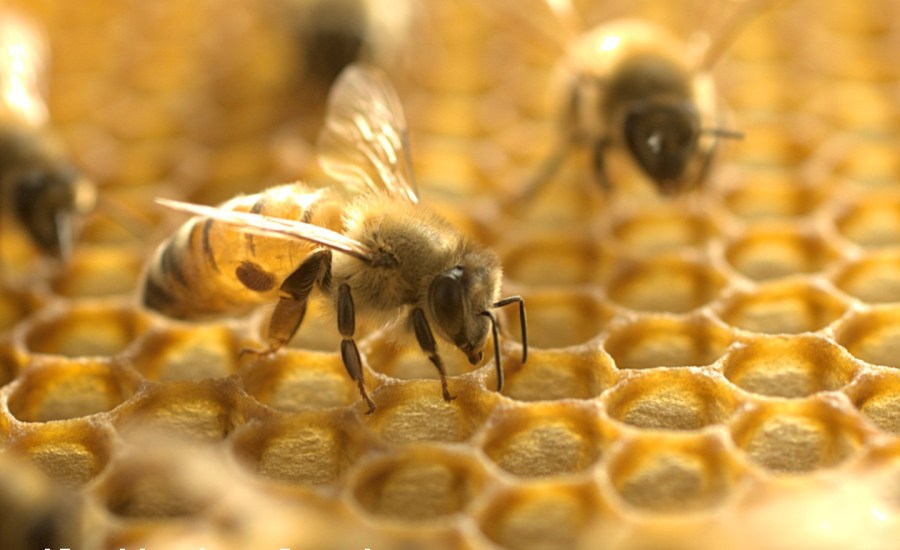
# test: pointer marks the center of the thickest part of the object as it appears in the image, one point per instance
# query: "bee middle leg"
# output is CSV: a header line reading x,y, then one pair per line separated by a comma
x,y
295,291
599,153
349,351
427,343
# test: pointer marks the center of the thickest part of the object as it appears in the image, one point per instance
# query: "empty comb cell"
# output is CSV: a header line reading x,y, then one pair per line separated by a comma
x,y
672,399
418,484
295,380
61,389
798,436
789,307
665,284
86,329
768,253
416,411
660,341
544,440
656,473
779,366
581,373
310,448
540,515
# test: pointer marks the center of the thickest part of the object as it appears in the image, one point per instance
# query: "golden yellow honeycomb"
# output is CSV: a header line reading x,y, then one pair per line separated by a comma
x,y
718,370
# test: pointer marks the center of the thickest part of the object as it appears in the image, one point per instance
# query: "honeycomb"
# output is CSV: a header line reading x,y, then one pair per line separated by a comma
x,y
717,370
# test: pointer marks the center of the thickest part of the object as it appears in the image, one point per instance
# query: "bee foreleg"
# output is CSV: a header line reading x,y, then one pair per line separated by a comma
x,y
544,174
349,351
600,164
427,343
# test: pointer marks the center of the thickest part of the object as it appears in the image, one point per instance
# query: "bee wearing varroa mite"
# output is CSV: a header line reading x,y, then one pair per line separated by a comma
x,y
634,88
381,254
39,188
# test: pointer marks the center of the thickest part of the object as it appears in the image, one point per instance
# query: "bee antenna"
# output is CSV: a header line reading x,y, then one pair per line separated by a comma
x,y
723,133
523,324
496,332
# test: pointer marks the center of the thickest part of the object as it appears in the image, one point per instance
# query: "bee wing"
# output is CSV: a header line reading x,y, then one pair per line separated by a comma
x,y
23,69
721,28
275,227
365,141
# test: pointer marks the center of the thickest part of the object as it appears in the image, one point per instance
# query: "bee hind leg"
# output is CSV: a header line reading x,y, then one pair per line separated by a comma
x,y
291,307
426,342
349,352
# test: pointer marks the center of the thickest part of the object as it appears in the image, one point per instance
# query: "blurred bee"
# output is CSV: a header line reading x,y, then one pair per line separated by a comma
x,y
633,87
39,187
36,512
380,254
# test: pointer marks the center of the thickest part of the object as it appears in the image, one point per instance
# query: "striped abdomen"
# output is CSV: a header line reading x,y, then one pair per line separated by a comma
x,y
211,268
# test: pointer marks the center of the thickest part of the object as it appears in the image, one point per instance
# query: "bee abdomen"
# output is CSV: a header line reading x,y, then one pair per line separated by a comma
x,y
210,268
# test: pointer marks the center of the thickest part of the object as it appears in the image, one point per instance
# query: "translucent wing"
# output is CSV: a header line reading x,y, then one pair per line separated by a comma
x,y
365,142
275,227
23,70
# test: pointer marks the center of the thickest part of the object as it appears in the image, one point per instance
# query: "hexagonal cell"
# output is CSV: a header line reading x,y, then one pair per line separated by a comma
x,y
871,161
186,352
59,389
769,252
557,374
557,318
798,436
417,411
872,221
674,474
540,515
877,396
546,439
143,484
207,410
789,366
70,453
85,329
672,399
788,307
405,360
99,271
667,342
768,194
420,483
556,260
874,278
651,232
295,380
11,361
873,336
14,307
308,448
665,284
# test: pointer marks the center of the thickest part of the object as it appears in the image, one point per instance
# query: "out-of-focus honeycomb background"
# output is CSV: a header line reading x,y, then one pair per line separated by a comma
x,y
715,370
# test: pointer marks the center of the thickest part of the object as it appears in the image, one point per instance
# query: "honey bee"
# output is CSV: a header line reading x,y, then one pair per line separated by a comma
x,y
379,254
39,188
632,87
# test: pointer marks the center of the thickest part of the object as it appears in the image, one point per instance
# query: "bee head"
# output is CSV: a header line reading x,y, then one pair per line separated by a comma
x,y
662,137
460,297
45,202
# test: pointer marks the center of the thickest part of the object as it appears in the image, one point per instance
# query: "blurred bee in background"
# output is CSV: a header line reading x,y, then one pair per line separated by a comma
x,y
39,188
379,253
326,36
632,87
36,512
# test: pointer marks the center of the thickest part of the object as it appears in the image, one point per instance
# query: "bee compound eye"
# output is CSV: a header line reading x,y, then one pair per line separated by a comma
x,y
446,302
